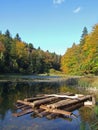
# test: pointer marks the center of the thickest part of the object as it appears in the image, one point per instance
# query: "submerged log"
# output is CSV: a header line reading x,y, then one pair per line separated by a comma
x,y
21,106
38,110
26,107
44,113
56,111
24,112
52,116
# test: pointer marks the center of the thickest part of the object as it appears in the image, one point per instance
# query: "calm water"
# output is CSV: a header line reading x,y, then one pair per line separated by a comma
x,y
11,91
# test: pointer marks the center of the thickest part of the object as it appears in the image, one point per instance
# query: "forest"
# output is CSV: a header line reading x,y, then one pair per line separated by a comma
x,y
17,56
82,58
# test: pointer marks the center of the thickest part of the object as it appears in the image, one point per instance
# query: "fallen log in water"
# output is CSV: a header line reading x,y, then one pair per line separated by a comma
x,y
21,106
67,102
45,96
43,113
24,102
58,104
24,112
38,110
88,103
52,105
56,111
38,102
74,107
71,108
26,107
44,101
35,98
76,96
52,116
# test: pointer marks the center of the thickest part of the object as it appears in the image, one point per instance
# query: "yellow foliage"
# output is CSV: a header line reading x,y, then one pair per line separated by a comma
x,y
21,49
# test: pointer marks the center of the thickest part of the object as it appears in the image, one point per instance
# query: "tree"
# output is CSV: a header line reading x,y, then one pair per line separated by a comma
x,y
17,37
82,58
2,49
0,32
7,34
84,34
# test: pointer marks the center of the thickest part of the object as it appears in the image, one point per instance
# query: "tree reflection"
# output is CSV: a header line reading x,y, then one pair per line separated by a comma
x,y
11,92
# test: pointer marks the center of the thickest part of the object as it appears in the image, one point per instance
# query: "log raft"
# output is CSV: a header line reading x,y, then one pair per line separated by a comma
x,y
53,105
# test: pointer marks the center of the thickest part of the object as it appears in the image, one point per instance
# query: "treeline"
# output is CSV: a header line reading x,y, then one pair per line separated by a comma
x,y
17,56
82,58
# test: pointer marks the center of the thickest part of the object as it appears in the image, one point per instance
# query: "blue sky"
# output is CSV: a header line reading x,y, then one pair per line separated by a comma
x,y
53,25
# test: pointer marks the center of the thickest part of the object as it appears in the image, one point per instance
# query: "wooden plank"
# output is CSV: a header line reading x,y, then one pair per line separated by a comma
x,y
24,112
56,111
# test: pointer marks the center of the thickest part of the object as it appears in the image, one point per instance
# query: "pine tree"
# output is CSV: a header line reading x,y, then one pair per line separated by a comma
x,y
84,34
17,37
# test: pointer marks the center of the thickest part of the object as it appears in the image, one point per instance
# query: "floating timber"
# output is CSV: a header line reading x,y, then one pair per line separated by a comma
x,y
52,106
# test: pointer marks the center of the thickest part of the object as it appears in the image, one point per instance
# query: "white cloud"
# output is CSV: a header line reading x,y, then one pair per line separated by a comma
x,y
77,10
58,2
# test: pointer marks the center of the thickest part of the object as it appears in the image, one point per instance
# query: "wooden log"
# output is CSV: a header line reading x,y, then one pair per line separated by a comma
x,y
38,110
56,111
21,106
35,98
39,102
24,102
17,105
88,103
85,98
26,107
52,116
42,114
24,112
59,104
93,100
43,101
67,93
74,107
67,102
76,96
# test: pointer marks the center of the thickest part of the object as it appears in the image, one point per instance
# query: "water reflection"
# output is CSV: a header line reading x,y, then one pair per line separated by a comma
x,y
10,92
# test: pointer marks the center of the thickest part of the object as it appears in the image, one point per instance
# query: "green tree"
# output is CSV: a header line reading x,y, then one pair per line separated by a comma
x,y
84,34
17,37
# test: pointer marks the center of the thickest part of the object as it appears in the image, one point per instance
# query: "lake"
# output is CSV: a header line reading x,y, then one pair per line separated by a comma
x,y
13,88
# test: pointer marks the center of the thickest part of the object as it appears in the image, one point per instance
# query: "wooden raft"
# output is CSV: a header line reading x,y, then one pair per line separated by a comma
x,y
52,105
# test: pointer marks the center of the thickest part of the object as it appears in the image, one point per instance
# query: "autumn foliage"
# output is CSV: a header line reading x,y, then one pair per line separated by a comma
x,y
17,56
82,58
